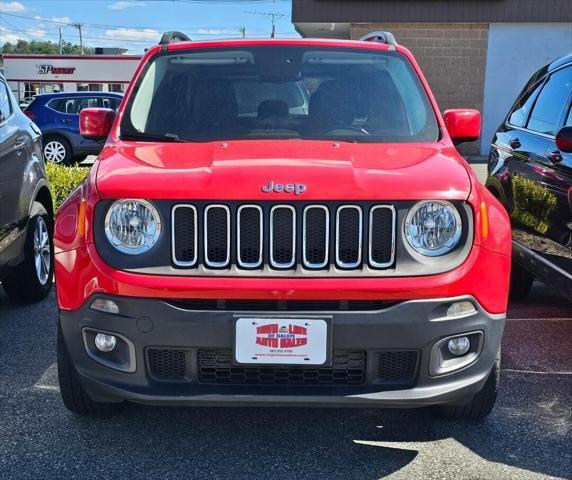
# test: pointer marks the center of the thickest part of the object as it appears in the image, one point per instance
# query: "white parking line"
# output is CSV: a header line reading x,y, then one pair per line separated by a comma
x,y
562,319
533,372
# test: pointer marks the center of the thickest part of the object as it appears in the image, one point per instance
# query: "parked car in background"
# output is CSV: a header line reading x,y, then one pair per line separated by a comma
x,y
240,249
26,212
57,116
530,172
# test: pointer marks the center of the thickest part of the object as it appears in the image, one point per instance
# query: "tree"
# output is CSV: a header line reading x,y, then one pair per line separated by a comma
x,y
42,48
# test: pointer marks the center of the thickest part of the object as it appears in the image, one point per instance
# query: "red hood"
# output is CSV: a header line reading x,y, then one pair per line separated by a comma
x,y
236,170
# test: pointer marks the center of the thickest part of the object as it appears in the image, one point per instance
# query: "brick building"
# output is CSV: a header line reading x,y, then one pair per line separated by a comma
x,y
474,53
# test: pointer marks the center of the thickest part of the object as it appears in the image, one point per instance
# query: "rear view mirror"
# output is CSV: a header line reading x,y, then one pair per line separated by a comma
x,y
564,140
463,125
95,123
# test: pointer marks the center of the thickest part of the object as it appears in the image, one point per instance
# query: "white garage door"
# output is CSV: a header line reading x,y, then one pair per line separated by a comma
x,y
514,53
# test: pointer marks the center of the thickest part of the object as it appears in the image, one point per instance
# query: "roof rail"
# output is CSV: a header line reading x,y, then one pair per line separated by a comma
x,y
380,36
173,37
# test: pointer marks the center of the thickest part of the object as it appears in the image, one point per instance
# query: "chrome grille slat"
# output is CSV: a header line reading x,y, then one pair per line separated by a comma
x,y
345,245
217,249
311,246
279,245
181,250
381,228
245,239
334,238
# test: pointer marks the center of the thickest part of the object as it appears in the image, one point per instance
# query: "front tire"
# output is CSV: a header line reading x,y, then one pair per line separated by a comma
x,y
32,279
57,150
481,404
73,394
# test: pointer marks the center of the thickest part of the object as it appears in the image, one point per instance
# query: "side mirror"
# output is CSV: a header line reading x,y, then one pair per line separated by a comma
x,y
95,123
463,125
564,140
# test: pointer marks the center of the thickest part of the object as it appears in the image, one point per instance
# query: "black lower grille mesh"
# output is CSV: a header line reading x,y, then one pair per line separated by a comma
x,y
215,367
398,367
167,364
395,368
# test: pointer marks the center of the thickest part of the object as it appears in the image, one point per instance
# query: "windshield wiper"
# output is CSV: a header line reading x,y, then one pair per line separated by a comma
x,y
151,137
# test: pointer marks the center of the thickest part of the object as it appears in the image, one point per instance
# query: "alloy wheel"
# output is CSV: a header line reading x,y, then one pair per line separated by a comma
x,y
55,152
42,250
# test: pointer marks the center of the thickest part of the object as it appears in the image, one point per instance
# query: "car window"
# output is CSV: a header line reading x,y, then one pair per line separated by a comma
x,y
281,93
546,112
520,114
5,104
108,102
72,106
568,121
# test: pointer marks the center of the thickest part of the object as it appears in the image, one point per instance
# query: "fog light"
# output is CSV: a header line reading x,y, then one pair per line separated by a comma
x,y
104,342
459,346
461,308
104,305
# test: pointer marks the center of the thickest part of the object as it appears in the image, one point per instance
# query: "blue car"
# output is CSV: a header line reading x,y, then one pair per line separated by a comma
x,y
57,116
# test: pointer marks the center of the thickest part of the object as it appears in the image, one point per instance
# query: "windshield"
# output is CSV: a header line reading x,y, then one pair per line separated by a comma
x,y
271,92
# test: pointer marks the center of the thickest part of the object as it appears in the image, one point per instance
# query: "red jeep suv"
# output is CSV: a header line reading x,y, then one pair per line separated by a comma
x,y
277,222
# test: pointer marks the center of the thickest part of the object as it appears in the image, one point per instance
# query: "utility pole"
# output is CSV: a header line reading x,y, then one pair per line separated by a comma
x,y
61,41
79,27
242,30
273,16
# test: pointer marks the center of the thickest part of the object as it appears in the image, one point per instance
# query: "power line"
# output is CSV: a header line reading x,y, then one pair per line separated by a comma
x,y
273,16
147,42
108,26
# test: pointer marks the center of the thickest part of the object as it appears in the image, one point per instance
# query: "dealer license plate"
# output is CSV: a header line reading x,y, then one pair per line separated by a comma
x,y
281,341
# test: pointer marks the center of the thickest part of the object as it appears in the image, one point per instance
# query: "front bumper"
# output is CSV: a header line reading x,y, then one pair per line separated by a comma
x,y
414,325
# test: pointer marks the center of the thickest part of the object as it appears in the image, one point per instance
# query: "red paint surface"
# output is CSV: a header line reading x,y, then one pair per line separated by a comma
x,y
96,122
463,123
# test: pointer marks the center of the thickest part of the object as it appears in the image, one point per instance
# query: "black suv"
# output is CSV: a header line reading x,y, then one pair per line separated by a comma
x,y
530,171
26,211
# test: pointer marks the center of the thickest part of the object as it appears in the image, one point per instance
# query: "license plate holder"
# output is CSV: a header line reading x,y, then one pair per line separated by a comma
x,y
282,341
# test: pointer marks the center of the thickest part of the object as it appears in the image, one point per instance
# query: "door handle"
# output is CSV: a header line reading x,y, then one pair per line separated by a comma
x,y
66,120
19,145
514,143
555,156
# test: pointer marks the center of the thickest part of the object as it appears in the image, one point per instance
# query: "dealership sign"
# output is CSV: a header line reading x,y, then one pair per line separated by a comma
x,y
70,68
50,69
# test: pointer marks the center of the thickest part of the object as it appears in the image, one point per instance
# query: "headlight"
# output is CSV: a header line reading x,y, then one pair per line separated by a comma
x,y
433,227
132,226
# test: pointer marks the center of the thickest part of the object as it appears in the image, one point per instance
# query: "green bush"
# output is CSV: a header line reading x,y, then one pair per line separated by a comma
x,y
63,180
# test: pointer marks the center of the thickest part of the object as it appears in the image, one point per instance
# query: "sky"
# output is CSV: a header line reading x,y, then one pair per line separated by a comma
x,y
138,24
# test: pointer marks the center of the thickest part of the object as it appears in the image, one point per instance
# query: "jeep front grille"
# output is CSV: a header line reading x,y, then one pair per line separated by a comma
x,y
315,237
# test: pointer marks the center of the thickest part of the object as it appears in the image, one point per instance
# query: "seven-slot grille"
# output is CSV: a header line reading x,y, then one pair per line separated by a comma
x,y
283,237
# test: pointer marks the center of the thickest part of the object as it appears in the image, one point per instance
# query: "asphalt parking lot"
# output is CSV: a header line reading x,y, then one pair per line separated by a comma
x,y
529,434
